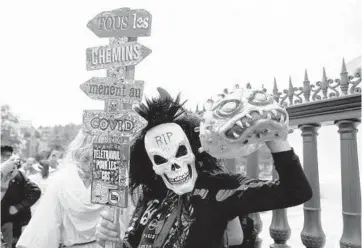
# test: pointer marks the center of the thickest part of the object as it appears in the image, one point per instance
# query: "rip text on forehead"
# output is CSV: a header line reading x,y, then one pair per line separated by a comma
x,y
163,139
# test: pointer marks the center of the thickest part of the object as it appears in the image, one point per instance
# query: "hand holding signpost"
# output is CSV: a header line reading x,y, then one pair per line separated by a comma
x,y
118,124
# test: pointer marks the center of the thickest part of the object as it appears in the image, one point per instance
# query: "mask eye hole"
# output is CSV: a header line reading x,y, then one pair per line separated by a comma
x,y
260,98
182,151
227,108
159,160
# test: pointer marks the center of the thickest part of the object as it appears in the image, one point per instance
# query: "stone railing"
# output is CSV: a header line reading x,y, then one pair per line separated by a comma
x,y
327,102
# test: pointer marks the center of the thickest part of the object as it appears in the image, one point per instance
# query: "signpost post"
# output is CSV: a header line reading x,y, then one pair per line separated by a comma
x,y
116,125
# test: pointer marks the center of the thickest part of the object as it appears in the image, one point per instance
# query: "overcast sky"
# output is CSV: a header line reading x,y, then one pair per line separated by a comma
x,y
199,48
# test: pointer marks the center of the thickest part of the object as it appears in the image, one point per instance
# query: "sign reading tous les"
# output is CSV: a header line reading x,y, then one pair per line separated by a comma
x,y
122,22
110,174
117,124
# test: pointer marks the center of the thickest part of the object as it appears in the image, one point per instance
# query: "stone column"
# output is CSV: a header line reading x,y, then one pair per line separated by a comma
x,y
312,234
252,170
279,228
351,185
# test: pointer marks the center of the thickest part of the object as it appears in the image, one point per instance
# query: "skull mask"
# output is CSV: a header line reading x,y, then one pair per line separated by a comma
x,y
169,150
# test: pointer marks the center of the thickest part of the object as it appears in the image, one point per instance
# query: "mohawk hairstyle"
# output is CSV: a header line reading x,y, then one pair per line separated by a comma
x,y
158,111
161,110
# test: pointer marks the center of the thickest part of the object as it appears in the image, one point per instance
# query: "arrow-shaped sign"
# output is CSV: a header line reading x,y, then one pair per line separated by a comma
x,y
105,88
124,54
122,22
125,123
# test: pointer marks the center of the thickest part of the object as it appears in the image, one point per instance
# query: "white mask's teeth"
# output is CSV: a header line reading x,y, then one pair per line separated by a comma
x,y
249,116
269,116
239,123
179,179
260,112
282,118
275,113
236,135
247,124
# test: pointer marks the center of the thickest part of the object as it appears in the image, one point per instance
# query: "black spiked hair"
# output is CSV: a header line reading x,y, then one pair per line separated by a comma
x,y
158,111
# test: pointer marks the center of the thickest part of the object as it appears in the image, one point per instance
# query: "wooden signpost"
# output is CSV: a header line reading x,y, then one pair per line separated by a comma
x,y
117,125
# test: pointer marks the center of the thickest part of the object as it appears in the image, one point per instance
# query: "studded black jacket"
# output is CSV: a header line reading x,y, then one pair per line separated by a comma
x,y
202,215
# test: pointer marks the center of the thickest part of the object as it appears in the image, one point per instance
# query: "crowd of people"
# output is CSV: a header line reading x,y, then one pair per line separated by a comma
x,y
18,195
189,199
46,201
23,183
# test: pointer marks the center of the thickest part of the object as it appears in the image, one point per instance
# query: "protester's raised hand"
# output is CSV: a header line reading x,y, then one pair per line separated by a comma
x,y
278,145
9,168
106,230
13,210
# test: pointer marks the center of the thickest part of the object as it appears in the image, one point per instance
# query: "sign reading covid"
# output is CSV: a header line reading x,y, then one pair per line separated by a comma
x,y
125,123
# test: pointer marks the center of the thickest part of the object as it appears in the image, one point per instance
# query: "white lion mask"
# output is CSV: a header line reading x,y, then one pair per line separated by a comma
x,y
169,150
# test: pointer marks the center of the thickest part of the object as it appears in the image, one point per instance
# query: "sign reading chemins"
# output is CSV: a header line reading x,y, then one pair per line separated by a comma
x,y
122,22
104,88
124,54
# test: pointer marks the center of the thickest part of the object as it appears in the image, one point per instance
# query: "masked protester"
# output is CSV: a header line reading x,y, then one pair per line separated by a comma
x,y
187,199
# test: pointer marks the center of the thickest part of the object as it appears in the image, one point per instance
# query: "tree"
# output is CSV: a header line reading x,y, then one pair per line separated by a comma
x,y
59,137
11,134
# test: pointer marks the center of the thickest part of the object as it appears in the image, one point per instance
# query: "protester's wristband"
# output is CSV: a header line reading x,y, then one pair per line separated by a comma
x,y
278,146
18,207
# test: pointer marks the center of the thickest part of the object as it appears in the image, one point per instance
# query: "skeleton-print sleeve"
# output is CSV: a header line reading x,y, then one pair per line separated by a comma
x,y
135,229
254,195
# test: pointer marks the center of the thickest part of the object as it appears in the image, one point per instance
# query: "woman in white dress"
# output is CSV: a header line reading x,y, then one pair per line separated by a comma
x,y
42,177
65,215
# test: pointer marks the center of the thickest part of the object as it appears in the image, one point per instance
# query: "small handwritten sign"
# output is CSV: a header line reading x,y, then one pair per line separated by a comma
x,y
124,123
124,54
105,88
110,174
122,22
